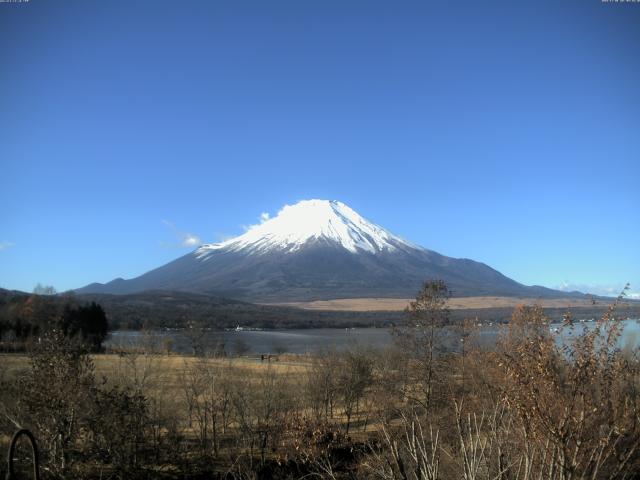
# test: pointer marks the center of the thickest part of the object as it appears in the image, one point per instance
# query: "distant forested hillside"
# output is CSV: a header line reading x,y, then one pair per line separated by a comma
x,y
22,313
26,318
158,309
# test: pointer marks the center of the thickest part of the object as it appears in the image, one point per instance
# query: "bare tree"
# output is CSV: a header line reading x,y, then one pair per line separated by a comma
x,y
354,377
261,409
40,289
207,394
426,315
195,332
321,384
410,451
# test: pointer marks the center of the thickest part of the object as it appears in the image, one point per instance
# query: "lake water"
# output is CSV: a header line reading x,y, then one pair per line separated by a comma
x,y
312,340
256,341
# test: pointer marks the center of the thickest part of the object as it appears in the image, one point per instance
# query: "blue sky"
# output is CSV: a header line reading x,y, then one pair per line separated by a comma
x,y
506,132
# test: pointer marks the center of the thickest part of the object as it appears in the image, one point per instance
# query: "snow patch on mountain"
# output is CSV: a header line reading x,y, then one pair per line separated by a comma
x,y
309,221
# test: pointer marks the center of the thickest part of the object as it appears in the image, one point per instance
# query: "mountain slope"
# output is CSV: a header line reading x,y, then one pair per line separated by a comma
x,y
318,249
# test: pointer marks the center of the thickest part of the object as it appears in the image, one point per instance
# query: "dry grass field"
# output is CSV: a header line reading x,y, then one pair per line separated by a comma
x,y
167,370
399,304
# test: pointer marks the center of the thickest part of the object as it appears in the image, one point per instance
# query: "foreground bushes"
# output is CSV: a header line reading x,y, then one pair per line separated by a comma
x,y
530,408
76,420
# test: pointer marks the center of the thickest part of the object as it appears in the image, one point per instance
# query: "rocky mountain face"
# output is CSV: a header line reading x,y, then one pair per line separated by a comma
x,y
318,250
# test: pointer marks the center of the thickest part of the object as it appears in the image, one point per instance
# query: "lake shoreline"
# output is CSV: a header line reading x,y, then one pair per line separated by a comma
x,y
303,341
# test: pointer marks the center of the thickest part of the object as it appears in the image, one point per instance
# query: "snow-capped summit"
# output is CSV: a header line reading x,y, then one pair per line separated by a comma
x,y
311,221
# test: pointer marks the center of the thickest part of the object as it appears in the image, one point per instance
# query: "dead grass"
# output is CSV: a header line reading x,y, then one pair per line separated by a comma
x,y
169,367
399,304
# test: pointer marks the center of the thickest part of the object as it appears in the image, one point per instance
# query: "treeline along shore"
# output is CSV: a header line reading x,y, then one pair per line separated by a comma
x,y
158,310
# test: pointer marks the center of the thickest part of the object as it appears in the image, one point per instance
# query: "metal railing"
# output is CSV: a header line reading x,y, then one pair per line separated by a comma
x,y
11,475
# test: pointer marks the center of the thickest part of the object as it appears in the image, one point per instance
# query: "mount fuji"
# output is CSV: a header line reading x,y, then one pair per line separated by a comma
x,y
319,250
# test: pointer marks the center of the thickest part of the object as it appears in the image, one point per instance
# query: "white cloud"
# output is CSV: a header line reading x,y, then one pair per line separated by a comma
x,y
190,240
5,245
264,216
183,239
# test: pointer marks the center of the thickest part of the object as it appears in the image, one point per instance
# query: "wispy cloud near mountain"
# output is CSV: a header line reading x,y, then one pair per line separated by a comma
x,y
183,239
